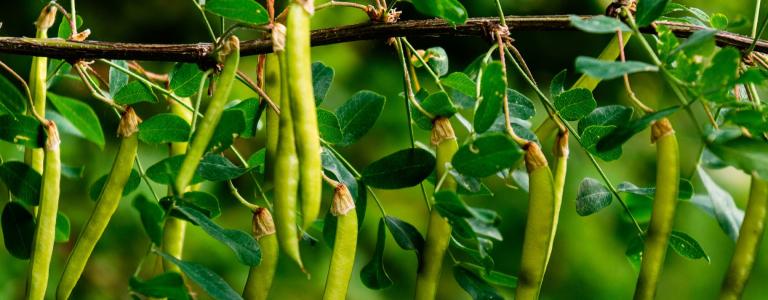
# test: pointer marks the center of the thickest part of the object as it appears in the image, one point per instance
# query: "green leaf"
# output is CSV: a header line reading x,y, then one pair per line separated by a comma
x,y
245,11
151,215
487,154
719,77
22,181
166,285
437,60
449,10
252,110
449,205
622,134
406,236
404,168
557,85
134,180
328,124
718,21
65,30
257,161
164,128
649,10
358,115
634,252
438,105
11,100
322,78
492,88
211,283
335,169
598,24
232,123
134,92
685,189
575,104
166,170
592,197
203,202
720,204
744,153
72,172
373,275
18,230
520,106
492,277
474,285
82,117
22,130
696,41
600,123
185,79
686,246
214,167
461,83
117,78
245,247
602,69
57,69
63,228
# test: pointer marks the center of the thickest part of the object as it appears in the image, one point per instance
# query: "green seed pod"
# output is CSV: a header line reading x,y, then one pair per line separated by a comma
x,y
747,245
663,214
540,224
106,204
344,246
45,231
438,231
302,101
260,277
175,228
561,152
273,119
38,86
287,173
206,128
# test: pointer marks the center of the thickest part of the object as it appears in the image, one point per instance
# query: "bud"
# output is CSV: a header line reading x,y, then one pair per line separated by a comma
x,y
534,158
53,141
278,37
660,129
129,123
561,145
342,201
47,18
262,223
442,131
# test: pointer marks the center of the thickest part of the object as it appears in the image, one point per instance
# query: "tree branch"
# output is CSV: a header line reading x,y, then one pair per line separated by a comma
x,y
200,53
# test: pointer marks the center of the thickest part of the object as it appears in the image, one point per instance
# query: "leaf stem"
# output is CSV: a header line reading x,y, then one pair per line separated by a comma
x,y
205,18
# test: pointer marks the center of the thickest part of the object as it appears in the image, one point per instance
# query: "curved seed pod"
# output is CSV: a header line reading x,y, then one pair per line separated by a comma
x,y
302,101
561,152
38,86
438,231
207,126
273,119
540,224
287,173
45,231
260,277
750,234
663,214
610,53
344,246
175,228
106,205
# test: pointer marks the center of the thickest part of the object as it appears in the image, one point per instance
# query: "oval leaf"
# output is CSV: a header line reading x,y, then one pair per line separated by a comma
x,y
598,24
404,168
164,128
245,11
134,92
575,104
82,117
211,283
23,181
449,10
373,275
358,115
602,69
18,230
686,246
493,85
185,79
245,247
486,155
322,78
592,197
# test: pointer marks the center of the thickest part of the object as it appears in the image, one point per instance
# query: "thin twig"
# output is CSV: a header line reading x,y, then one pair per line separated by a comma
x,y
627,85
135,66
249,82
507,120
56,48
95,91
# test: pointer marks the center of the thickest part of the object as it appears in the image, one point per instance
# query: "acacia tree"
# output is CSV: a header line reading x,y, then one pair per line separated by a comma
x,y
715,76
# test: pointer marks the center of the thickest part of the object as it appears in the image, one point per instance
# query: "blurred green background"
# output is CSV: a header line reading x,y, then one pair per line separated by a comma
x,y
588,259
